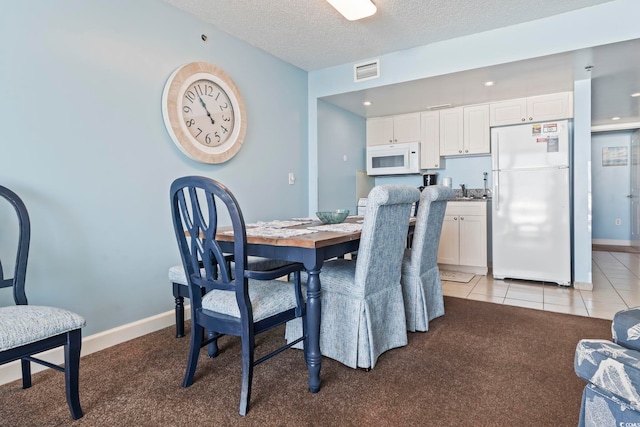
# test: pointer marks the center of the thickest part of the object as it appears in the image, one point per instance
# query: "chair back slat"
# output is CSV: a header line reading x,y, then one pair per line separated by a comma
x,y
22,255
195,202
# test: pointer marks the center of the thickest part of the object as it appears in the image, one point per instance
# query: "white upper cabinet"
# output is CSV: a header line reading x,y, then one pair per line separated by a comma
x,y
541,108
476,130
465,131
451,132
430,140
393,129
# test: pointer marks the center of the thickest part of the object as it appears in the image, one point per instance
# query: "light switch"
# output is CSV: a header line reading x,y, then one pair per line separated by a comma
x,y
292,178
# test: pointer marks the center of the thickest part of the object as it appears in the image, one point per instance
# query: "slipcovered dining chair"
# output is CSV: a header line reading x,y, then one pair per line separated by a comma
x,y
242,304
181,289
26,330
362,309
421,285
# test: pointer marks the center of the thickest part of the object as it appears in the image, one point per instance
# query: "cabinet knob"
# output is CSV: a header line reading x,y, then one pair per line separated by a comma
x,y
459,151
523,119
461,218
391,141
455,218
466,151
435,166
395,140
530,119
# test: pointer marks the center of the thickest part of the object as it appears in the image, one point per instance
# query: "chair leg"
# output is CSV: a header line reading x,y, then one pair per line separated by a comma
x,y
26,373
212,348
248,346
72,372
179,317
197,332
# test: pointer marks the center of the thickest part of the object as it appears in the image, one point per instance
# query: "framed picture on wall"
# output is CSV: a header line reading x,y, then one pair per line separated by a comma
x,y
615,156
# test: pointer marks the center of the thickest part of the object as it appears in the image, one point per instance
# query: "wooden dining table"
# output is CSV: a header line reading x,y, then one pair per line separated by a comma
x,y
311,250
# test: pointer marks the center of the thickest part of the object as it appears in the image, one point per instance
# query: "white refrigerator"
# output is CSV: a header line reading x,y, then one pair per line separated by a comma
x,y
531,209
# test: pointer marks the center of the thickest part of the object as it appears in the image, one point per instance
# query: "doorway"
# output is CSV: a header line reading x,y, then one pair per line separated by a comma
x,y
611,159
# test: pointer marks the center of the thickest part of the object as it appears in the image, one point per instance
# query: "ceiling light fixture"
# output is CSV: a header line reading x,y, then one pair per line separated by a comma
x,y
635,95
615,118
354,9
366,103
489,83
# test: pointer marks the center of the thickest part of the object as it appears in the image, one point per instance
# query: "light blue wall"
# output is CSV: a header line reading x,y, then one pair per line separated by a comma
x,y
466,170
611,185
615,21
341,135
85,146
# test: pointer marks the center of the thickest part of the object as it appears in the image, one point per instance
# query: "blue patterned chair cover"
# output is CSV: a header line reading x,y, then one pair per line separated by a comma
x,y
421,285
362,307
612,370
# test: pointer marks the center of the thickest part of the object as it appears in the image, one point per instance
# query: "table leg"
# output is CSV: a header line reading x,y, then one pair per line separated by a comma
x,y
314,357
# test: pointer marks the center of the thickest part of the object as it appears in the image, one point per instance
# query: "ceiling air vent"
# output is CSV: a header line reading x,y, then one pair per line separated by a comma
x,y
366,71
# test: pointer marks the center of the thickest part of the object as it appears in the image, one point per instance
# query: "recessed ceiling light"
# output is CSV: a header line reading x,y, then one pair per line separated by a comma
x,y
354,9
635,95
615,118
489,83
366,103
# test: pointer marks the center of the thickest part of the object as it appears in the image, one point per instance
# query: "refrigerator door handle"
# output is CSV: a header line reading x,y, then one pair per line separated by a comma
x,y
496,190
495,149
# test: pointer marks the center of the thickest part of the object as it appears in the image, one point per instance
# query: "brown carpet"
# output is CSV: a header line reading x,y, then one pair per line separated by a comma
x,y
481,364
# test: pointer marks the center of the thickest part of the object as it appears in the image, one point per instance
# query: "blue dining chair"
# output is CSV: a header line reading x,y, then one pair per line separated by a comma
x,y
26,330
242,303
421,285
362,307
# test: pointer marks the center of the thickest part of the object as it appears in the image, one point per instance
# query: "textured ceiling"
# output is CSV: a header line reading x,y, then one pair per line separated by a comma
x,y
312,35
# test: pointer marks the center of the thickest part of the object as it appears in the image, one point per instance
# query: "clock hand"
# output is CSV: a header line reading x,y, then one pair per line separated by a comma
x,y
213,122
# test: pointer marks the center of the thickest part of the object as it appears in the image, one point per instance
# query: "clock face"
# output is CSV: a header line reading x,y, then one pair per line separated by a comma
x,y
204,112
207,113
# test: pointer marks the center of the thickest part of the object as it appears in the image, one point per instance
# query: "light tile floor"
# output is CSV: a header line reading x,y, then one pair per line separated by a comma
x,y
616,286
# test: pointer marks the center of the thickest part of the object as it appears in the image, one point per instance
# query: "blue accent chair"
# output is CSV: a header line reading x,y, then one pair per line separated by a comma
x,y
243,303
421,285
612,372
26,330
362,307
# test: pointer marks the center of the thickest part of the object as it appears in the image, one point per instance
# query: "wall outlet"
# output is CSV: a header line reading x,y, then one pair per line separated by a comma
x,y
618,221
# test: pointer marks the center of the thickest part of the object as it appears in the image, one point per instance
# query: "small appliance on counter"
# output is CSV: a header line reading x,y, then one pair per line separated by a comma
x,y
429,179
446,182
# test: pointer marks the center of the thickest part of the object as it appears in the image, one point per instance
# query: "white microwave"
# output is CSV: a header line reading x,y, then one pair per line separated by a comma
x,y
393,159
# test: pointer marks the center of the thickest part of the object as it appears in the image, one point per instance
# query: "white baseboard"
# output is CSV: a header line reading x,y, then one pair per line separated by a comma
x,y
96,342
611,242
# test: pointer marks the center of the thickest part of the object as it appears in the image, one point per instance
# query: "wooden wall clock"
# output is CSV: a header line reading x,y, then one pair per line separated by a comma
x,y
204,112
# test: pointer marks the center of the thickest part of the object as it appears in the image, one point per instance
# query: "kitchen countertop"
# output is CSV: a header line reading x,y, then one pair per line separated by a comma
x,y
469,199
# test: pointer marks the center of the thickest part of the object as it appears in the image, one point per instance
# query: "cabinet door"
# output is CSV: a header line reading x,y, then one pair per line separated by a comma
x,y
550,107
476,129
473,240
406,128
509,112
448,250
380,130
451,131
430,140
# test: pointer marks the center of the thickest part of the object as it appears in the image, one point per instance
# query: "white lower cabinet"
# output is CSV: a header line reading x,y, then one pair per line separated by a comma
x,y
463,242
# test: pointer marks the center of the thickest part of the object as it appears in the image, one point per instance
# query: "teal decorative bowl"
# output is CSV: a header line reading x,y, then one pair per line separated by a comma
x,y
333,217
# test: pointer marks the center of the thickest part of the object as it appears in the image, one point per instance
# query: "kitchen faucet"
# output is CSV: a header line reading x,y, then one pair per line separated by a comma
x,y
464,190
